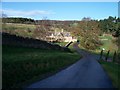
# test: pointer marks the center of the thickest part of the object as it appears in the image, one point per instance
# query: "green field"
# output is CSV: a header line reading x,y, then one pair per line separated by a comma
x,y
108,44
62,43
113,70
25,30
22,66
11,26
70,46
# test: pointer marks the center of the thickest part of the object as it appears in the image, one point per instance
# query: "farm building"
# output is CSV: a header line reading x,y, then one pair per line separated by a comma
x,y
61,36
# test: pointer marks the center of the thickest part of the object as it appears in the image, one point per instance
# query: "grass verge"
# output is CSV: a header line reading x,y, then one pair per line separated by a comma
x,y
113,71
22,66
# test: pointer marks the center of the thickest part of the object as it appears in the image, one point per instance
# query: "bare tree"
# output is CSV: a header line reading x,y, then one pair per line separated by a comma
x,y
42,28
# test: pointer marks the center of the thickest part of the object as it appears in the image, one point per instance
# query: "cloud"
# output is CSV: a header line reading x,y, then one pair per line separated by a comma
x,y
19,13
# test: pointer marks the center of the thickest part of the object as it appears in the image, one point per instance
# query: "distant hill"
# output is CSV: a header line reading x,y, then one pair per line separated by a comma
x,y
32,21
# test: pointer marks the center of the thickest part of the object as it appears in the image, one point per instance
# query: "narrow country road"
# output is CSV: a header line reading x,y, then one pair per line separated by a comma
x,y
86,73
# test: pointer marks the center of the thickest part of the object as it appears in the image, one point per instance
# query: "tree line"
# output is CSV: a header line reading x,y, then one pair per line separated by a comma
x,y
18,20
89,30
109,25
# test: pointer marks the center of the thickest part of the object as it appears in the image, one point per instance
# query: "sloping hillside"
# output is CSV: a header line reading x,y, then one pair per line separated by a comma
x,y
8,39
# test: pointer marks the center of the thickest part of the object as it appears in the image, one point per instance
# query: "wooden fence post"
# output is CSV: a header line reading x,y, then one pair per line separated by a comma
x,y
114,57
107,55
101,54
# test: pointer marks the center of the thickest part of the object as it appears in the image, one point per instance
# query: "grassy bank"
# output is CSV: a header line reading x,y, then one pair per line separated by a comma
x,y
22,66
113,70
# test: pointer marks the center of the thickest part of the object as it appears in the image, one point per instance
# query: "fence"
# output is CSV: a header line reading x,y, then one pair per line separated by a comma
x,y
106,57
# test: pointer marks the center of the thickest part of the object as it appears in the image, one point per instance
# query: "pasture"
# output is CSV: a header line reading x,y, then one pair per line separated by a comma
x,y
25,30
